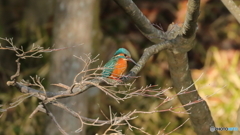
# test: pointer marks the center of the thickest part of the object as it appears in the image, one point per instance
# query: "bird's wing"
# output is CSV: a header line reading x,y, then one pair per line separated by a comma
x,y
109,67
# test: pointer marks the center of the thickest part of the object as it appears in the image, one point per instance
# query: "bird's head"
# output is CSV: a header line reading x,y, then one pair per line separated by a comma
x,y
122,52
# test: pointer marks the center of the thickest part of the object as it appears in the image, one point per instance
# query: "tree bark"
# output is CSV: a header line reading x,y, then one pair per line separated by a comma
x,y
73,25
180,41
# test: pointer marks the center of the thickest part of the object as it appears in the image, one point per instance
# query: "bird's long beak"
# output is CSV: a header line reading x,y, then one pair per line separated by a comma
x,y
130,59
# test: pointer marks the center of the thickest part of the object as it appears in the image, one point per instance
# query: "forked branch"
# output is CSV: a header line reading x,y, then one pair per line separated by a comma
x,y
180,41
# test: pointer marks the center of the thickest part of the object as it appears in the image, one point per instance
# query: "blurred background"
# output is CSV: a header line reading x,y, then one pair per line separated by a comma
x,y
104,27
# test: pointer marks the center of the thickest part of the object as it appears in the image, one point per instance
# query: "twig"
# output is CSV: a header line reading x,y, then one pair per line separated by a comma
x,y
55,121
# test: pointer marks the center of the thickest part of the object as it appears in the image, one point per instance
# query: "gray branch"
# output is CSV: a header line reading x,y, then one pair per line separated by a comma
x,y
233,8
177,41
190,23
82,87
181,40
142,23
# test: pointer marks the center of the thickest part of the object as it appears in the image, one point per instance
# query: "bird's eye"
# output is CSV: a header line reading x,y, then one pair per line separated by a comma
x,y
125,55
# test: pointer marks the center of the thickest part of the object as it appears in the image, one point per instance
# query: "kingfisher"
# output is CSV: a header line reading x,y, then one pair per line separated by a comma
x,y
117,65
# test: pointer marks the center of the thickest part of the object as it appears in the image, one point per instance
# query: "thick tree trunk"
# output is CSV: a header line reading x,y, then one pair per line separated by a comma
x,y
74,25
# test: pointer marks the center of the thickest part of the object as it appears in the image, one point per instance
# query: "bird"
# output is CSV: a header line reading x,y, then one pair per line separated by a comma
x,y
117,65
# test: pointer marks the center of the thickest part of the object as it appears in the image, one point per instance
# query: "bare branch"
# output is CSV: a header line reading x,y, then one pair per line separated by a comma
x,y
142,23
18,70
55,121
148,52
178,41
190,23
34,52
17,102
177,127
38,108
233,8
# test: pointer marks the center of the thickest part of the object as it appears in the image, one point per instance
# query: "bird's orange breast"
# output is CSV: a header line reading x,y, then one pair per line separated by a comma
x,y
119,68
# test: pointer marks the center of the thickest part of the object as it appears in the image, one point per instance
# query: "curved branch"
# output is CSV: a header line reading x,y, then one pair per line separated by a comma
x,y
180,42
233,8
148,52
142,23
190,24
